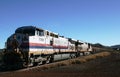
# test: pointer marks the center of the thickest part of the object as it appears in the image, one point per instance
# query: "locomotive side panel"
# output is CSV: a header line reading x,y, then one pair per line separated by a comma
x,y
61,44
40,45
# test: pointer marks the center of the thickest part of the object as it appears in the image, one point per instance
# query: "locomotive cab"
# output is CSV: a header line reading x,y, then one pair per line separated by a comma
x,y
18,43
30,33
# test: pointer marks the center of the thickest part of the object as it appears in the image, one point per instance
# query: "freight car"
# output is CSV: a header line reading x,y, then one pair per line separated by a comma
x,y
30,46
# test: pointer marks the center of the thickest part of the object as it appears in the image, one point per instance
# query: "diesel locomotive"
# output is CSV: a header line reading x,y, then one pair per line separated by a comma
x,y
30,46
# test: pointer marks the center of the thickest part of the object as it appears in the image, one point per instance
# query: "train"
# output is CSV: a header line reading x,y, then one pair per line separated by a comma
x,y
30,46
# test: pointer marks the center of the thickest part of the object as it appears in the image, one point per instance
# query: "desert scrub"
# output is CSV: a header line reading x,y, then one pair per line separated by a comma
x,y
76,62
103,54
84,59
90,57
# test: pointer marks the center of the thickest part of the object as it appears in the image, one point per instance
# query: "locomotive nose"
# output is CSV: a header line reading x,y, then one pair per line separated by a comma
x,y
14,42
20,38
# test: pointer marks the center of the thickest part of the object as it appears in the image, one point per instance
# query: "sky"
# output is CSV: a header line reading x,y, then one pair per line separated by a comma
x,y
93,21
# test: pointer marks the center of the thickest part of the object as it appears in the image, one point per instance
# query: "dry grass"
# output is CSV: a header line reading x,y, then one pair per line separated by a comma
x,y
98,55
88,58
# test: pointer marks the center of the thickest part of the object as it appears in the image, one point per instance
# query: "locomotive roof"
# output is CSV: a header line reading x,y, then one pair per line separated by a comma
x,y
27,27
34,28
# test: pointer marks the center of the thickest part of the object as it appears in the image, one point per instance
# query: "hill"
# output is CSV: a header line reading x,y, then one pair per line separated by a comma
x,y
116,47
1,50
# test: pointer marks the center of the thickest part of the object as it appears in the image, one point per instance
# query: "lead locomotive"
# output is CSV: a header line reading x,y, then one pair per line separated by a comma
x,y
31,46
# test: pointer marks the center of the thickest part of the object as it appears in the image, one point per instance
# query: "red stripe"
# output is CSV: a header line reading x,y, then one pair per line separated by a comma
x,y
39,44
55,46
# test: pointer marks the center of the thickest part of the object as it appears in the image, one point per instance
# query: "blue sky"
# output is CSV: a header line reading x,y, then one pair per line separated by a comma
x,y
94,21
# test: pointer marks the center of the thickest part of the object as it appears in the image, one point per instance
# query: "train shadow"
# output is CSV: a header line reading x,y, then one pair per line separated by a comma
x,y
7,68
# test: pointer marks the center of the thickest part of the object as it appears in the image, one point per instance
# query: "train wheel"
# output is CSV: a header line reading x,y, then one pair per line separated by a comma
x,y
48,60
51,58
83,53
86,53
35,63
25,65
30,62
43,62
72,56
77,54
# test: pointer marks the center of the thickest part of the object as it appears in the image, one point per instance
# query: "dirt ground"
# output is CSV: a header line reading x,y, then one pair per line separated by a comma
x,y
107,66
